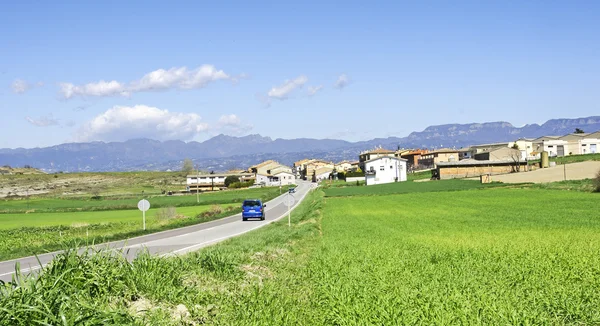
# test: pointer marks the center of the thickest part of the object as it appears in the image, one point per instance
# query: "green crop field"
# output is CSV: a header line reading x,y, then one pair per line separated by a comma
x,y
489,256
408,187
130,202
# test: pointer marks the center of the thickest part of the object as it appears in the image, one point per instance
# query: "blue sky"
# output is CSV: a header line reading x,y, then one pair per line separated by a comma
x,y
79,71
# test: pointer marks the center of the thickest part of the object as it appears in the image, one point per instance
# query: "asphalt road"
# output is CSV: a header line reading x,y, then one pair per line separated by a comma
x,y
177,241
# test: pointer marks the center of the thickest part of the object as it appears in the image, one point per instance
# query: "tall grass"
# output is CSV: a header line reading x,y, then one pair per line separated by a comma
x,y
478,257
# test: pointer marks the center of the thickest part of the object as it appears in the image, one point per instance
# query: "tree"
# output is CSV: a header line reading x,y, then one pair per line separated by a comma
x,y
515,146
314,176
188,166
579,131
231,179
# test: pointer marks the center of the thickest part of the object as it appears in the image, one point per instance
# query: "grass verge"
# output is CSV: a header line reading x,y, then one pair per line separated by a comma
x,y
477,257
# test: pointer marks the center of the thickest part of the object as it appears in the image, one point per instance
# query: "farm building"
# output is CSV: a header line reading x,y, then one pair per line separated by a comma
x,y
473,168
430,159
499,154
385,170
213,181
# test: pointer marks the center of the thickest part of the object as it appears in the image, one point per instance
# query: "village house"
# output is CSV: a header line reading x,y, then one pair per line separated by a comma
x,y
343,166
373,154
525,145
385,169
322,173
311,167
206,182
551,144
430,159
412,157
590,143
271,173
299,167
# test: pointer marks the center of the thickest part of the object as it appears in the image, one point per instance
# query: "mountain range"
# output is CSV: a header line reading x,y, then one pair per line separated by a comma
x,y
223,152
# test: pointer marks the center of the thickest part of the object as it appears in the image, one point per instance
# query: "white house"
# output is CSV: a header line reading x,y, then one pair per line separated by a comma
x,y
590,144
212,181
385,170
277,176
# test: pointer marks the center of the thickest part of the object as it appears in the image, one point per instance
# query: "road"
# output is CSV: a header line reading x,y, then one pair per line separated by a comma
x,y
177,241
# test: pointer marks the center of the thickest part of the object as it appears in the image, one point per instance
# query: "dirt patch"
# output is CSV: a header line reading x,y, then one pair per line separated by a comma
x,y
573,171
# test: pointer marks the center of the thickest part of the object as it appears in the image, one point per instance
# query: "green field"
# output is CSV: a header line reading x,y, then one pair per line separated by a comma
x,y
491,256
38,205
13,221
408,187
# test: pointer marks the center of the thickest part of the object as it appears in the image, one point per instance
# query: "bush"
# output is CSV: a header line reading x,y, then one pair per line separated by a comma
x,y
231,179
355,174
597,182
341,176
166,213
237,185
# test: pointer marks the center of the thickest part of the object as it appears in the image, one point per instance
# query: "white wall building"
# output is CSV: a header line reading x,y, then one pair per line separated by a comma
x,y
385,170
218,180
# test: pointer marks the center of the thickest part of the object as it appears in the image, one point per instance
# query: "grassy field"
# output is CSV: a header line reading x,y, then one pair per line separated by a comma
x,y
478,257
408,187
572,158
56,223
38,205
79,219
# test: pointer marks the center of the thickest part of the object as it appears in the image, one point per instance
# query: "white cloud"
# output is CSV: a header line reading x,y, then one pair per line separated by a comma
x,y
312,90
101,88
342,81
282,92
161,79
229,120
122,123
20,86
46,121
232,124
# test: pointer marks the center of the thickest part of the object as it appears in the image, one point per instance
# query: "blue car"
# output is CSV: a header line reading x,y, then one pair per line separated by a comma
x,y
253,208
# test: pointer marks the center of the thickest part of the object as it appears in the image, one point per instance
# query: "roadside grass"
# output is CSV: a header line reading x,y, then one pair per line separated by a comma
x,y
409,187
28,241
13,221
47,205
479,257
202,287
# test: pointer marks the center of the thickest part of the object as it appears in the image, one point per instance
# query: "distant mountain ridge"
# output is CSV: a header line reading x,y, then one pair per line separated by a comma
x,y
225,152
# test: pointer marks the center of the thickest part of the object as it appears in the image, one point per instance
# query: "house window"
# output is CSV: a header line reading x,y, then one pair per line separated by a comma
x,y
381,168
391,167
583,144
550,146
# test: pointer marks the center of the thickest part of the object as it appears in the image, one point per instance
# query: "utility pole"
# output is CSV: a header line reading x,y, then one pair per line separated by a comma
x,y
565,171
197,184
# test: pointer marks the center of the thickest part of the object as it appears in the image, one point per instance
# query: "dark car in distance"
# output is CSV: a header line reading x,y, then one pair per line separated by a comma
x,y
253,208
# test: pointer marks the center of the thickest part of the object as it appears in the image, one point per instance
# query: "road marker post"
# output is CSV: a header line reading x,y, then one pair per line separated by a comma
x,y
290,200
144,205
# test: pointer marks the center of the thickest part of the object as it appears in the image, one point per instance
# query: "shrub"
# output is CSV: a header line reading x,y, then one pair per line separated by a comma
x,y
166,213
597,182
237,185
355,174
231,179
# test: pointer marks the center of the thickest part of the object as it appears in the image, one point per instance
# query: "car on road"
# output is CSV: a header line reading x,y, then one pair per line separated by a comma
x,y
253,208
292,190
